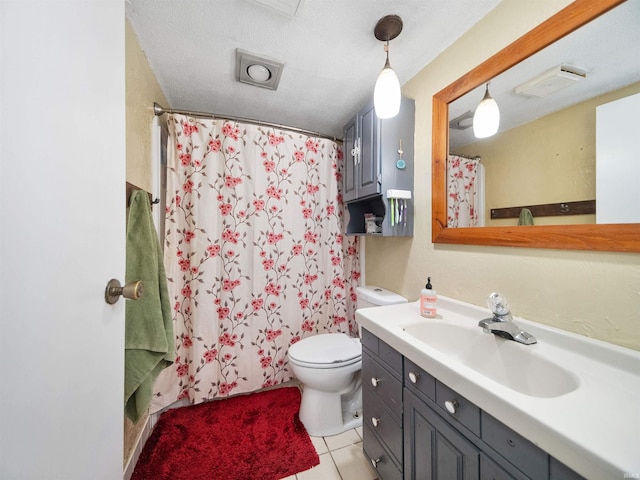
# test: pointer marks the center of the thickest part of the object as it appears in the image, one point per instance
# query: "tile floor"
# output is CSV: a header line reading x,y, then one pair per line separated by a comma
x,y
341,458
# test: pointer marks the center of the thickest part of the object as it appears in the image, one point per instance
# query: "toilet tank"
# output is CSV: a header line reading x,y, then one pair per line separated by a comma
x,y
372,296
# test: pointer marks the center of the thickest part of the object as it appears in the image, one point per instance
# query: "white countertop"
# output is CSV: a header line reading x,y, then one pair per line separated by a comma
x,y
594,429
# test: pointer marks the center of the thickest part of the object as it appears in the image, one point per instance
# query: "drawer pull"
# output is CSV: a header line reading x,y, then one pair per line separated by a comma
x,y
375,421
414,377
375,462
451,406
375,381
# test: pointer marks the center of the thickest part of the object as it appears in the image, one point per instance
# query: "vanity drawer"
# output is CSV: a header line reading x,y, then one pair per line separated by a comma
x,y
464,411
390,356
383,383
417,379
378,456
559,471
369,340
490,470
383,422
516,449
385,353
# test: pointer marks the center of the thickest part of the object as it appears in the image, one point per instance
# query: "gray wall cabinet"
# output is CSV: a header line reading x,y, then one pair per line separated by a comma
x,y
417,428
378,157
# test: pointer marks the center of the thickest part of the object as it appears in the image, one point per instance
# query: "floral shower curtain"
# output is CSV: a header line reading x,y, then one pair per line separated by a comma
x,y
254,253
464,205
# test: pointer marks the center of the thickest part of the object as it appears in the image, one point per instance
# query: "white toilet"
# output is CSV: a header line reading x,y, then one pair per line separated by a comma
x,y
328,365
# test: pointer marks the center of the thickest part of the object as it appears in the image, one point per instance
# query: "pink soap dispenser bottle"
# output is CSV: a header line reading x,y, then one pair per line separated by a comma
x,y
428,299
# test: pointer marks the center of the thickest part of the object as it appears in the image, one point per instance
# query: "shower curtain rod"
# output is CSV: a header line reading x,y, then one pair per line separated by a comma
x,y
468,157
160,110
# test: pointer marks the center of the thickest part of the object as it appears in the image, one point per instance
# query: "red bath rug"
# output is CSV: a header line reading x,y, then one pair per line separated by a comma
x,y
256,436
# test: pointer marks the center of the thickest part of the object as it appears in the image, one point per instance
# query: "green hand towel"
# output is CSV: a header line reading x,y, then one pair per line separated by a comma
x,y
526,217
149,343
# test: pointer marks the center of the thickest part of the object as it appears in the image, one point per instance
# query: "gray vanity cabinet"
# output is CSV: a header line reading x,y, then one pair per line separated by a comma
x,y
383,409
434,449
447,436
417,428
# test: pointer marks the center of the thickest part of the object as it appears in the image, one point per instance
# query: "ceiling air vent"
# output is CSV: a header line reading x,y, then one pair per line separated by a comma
x,y
258,71
462,122
551,81
286,7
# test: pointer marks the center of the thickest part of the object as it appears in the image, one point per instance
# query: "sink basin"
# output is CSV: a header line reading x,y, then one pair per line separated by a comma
x,y
513,365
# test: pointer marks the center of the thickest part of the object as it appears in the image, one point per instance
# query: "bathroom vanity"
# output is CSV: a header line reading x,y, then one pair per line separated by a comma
x,y
442,399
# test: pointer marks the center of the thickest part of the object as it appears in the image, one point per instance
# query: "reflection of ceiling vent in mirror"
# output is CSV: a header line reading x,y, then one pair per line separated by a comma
x,y
258,71
290,8
551,81
462,122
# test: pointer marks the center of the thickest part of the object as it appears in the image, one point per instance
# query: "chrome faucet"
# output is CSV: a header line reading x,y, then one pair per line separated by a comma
x,y
502,323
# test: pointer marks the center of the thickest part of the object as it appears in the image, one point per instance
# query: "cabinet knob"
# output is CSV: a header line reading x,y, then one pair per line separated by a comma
x,y
375,462
414,376
375,381
355,151
375,421
451,406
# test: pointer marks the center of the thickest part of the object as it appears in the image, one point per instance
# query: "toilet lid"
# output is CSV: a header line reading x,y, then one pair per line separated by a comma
x,y
326,348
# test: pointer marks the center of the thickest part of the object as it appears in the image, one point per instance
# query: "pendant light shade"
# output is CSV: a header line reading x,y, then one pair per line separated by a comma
x,y
387,94
486,119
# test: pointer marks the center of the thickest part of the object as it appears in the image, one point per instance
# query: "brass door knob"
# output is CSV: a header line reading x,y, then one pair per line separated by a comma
x,y
132,290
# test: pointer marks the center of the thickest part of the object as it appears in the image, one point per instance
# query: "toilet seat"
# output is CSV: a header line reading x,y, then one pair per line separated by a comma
x,y
327,350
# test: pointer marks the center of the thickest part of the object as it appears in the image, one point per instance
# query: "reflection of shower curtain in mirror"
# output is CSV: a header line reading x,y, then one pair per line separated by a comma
x,y
465,195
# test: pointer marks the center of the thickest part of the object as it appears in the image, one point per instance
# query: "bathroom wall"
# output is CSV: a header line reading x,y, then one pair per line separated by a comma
x,y
590,293
561,167
141,90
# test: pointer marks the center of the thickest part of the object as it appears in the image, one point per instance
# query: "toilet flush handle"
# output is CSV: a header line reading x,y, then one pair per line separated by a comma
x,y
375,381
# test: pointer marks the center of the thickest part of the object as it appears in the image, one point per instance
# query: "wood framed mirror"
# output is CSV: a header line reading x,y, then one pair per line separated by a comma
x,y
600,237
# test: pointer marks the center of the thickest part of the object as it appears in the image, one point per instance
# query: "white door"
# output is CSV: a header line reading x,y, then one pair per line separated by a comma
x,y
618,161
62,146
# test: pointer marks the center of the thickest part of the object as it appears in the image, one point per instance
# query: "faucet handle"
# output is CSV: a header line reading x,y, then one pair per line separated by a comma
x,y
498,304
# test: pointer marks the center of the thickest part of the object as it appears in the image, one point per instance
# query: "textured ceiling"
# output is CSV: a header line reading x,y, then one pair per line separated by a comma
x,y
330,54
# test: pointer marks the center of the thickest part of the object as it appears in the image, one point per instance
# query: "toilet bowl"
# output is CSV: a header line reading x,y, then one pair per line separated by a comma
x,y
329,365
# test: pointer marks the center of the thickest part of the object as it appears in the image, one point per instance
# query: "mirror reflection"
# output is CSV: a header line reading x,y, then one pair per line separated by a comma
x,y
544,165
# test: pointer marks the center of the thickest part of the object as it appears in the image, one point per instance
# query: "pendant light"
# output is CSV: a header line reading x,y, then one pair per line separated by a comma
x,y
387,94
486,119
